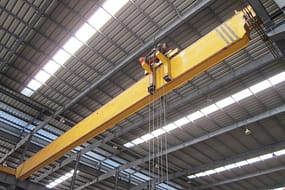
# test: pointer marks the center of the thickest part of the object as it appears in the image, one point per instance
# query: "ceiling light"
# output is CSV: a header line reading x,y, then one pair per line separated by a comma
x,y
242,95
230,166
196,115
210,172
209,109
266,156
182,121
201,174
220,169
247,131
242,163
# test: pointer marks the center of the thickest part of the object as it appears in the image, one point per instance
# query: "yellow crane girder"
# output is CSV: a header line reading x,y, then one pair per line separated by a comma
x,y
225,40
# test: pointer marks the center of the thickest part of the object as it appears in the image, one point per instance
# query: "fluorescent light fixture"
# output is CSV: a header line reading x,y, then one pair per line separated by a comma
x,y
225,102
280,152
137,141
209,109
42,76
100,17
182,121
276,79
169,127
218,105
147,137
158,132
61,179
260,86
242,95
196,115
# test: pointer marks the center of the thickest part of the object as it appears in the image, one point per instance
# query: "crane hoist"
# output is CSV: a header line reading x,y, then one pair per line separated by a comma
x,y
166,69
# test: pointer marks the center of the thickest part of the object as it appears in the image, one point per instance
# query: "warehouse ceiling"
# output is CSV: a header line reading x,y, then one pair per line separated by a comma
x,y
233,137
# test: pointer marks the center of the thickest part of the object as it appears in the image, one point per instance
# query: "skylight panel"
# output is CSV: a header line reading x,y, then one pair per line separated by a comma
x,y
260,86
196,115
169,127
280,152
201,174
242,95
27,92
209,109
225,102
230,166
99,18
242,163
158,132
192,176
129,145
34,85
266,156
51,67
85,33
182,121
220,169
210,172
138,141
147,137
61,57
42,76
113,6
61,179
72,45
253,160
277,78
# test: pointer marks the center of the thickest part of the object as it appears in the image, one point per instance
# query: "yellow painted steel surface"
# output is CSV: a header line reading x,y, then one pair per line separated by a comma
x,y
7,170
208,51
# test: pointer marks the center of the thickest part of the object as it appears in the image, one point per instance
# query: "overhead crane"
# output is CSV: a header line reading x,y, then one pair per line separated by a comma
x,y
171,70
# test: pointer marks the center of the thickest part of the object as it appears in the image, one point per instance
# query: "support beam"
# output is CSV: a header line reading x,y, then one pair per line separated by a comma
x,y
7,170
261,12
10,180
267,59
259,173
195,10
236,158
202,138
203,54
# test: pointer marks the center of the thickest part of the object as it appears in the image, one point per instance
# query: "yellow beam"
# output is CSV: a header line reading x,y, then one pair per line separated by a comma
x,y
7,170
214,47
